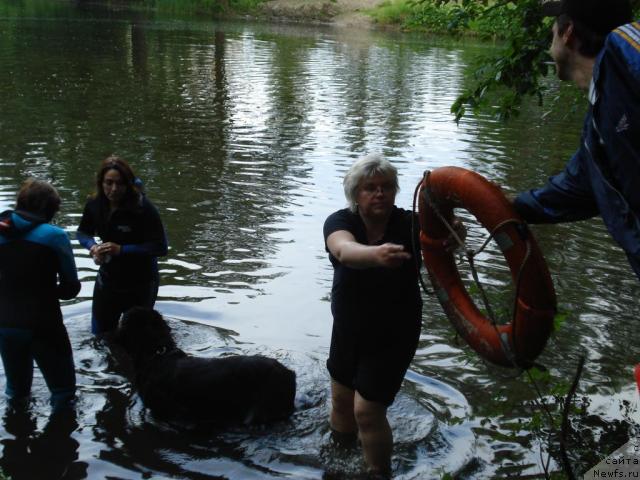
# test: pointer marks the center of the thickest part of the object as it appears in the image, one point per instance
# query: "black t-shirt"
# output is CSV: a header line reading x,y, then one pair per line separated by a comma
x,y
138,230
378,295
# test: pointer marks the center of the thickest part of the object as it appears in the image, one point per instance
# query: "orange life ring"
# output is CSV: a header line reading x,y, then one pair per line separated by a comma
x,y
514,344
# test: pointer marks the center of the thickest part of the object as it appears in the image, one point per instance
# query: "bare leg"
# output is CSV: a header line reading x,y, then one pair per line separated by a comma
x,y
342,417
375,434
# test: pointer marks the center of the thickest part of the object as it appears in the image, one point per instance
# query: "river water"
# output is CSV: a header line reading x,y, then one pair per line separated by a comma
x,y
242,133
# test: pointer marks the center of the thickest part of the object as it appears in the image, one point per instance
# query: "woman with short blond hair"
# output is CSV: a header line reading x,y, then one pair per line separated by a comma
x,y
376,306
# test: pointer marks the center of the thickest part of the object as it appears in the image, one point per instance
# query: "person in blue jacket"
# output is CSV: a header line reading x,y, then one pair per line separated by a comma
x,y
596,46
132,237
37,269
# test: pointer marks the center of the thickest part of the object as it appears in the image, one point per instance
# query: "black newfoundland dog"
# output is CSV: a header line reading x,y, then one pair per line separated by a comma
x,y
220,391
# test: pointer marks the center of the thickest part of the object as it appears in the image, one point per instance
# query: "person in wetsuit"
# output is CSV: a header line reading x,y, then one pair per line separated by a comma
x,y
132,236
376,306
37,269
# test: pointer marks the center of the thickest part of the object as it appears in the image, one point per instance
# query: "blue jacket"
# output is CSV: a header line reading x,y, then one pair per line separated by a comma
x,y
37,269
603,176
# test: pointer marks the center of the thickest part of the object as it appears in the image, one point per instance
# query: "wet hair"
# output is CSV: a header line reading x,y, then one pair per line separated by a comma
x,y
131,196
38,198
367,167
590,42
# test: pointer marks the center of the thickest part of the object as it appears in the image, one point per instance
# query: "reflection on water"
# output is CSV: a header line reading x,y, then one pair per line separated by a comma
x,y
241,134
48,452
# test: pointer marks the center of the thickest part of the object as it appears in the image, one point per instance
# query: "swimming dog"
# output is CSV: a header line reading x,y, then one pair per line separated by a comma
x,y
245,389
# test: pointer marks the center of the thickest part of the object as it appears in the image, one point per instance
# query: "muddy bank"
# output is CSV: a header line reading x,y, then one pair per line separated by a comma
x,y
340,13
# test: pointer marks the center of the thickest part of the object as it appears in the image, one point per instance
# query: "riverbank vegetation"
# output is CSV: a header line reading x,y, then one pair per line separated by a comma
x,y
499,81
214,8
208,8
471,18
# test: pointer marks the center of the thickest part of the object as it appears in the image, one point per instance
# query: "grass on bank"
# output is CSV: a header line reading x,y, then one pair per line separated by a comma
x,y
179,8
429,16
213,7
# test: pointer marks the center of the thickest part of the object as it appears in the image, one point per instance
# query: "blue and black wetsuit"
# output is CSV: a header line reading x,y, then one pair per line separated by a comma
x,y
131,278
37,269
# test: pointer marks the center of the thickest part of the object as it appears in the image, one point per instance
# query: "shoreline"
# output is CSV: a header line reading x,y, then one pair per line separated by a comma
x,y
335,13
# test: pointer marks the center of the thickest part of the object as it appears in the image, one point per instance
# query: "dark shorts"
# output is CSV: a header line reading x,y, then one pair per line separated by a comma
x,y
373,363
109,303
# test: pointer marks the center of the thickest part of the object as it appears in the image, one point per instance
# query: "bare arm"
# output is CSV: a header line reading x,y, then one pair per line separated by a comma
x,y
343,245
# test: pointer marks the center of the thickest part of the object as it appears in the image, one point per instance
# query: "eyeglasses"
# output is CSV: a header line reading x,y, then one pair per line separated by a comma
x,y
371,188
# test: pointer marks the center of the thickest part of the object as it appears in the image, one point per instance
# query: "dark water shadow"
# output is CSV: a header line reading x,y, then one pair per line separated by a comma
x,y
31,454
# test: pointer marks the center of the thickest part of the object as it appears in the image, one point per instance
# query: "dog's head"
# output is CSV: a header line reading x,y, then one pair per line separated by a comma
x,y
142,331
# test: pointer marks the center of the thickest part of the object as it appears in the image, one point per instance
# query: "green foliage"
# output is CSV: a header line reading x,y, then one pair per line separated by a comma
x,y
554,387
547,419
392,12
423,15
500,81
517,70
213,7
538,375
480,18
558,320
31,8
242,6
434,18
196,7
500,301
493,21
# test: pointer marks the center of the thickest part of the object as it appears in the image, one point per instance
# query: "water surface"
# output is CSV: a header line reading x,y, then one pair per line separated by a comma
x,y
242,134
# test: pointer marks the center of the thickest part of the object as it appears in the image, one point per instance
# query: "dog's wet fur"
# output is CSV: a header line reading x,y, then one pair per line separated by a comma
x,y
248,389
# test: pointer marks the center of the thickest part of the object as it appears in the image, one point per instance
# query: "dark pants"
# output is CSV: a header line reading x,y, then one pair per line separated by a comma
x,y
52,353
111,301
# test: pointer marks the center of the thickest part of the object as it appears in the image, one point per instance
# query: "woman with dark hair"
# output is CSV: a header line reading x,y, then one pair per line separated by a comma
x,y
132,236
376,306
37,269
